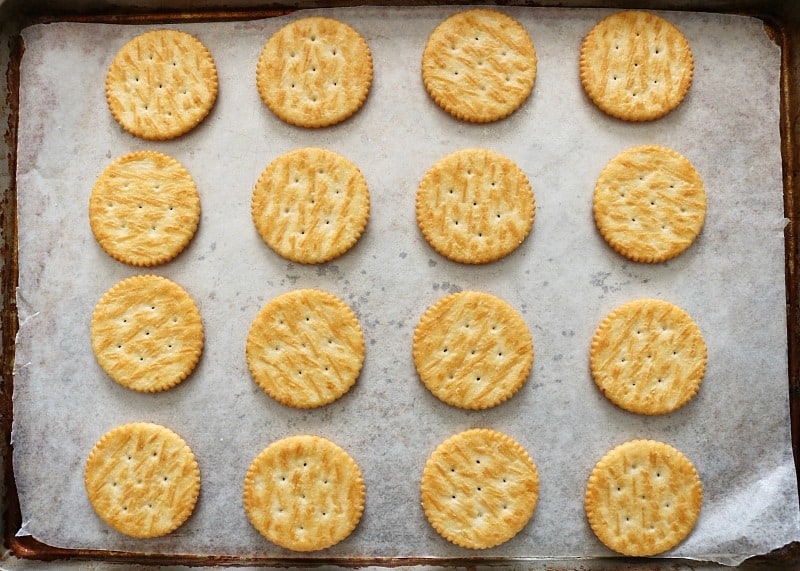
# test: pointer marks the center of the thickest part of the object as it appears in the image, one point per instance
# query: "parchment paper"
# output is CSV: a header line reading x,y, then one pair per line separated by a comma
x,y
563,279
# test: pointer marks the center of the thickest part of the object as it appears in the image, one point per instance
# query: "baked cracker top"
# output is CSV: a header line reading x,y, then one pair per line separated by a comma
x,y
479,65
161,84
304,493
636,66
479,488
643,498
314,72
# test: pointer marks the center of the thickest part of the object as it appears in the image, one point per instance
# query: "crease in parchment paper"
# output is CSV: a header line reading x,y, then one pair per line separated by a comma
x,y
563,280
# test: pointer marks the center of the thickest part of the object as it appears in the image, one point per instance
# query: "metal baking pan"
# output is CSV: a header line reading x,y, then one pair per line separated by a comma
x,y
781,19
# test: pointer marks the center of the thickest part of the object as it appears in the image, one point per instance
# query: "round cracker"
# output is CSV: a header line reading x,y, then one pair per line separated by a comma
x,y
475,206
144,208
472,350
304,493
648,357
649,203
310,205
314,72
479,65
161,84
147,333
479,488
142,479
636,66
305,348
643,498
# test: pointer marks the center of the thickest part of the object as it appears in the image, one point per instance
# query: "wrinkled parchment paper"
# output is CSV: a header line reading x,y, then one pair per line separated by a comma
x,y
563,279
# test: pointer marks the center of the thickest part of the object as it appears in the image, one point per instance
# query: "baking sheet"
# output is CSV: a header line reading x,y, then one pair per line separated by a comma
x,y
563,280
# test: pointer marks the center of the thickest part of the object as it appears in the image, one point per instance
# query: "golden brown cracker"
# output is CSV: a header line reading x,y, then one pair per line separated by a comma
x,y
479,65
161,84
475,206
643,498
310,205
144,208
479,488
648,357
147,333
314,72
472,350
142,479
649,203
636,66
304,493
305,348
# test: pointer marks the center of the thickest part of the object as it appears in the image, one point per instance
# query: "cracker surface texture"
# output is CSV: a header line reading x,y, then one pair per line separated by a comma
x,y
479,65
310,205
636,66
305,348
144,208
648,357
475,206
479,488
161,84
142,480
472,350
649,204
147,333
643,498
304,493
314,72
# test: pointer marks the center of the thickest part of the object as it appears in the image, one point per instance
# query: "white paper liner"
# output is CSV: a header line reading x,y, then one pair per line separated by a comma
x,y
563,279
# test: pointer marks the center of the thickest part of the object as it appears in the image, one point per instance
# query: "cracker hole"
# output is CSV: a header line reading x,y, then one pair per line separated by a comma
x,y
444,350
